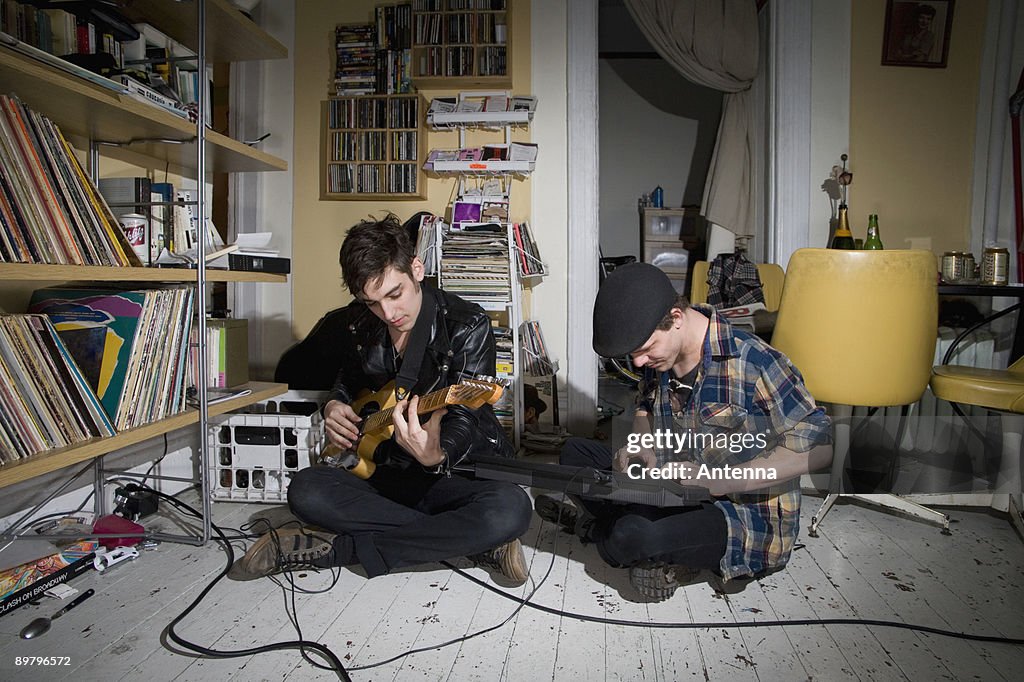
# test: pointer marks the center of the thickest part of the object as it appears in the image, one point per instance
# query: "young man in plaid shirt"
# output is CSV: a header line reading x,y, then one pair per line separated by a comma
x,y
718,408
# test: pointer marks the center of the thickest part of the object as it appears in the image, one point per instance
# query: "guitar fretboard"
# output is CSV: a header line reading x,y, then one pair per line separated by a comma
x,y
428,403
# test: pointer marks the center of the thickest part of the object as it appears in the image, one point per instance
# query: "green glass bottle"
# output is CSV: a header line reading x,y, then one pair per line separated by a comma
x,y
843,238
873,242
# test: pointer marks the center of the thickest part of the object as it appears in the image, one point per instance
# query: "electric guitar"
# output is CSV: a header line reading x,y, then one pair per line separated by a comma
x,y
376,410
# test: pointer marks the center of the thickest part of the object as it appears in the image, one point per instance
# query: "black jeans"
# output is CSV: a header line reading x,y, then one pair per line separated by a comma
x,y
629,534
399,518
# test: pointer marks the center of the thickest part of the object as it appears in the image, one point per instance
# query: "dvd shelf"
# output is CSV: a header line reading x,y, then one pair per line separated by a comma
x,y
104,116
373,148
458,43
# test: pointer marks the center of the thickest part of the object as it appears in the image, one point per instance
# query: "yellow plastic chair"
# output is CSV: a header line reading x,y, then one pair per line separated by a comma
x,y
861,327
1000,391
772,278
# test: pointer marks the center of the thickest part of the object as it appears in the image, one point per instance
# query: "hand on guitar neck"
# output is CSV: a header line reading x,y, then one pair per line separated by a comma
x,y
354,431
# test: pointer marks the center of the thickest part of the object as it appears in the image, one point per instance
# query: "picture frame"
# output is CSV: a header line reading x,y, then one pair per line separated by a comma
x,y
917,33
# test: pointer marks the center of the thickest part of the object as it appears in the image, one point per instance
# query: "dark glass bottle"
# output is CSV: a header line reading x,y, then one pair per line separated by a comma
x,y
843,238
874,241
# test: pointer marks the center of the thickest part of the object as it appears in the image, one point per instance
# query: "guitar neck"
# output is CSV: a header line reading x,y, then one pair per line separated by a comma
x,y
428,403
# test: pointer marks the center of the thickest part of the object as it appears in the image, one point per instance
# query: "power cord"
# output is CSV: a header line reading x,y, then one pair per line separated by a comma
x,y
335,663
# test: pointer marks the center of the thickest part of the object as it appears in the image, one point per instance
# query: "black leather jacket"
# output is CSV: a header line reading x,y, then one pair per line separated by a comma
x,y
461,346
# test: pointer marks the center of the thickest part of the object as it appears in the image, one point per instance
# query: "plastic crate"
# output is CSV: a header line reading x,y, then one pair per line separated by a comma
x,y
255,452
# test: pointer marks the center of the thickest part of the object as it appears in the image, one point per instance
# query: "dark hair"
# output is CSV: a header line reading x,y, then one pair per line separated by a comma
x,y
682,302
370,248
924,10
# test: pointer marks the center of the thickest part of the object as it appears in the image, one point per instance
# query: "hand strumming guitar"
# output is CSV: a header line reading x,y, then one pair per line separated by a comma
x,y
341,424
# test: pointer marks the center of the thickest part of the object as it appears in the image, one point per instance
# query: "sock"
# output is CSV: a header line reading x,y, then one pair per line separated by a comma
x,y
343,554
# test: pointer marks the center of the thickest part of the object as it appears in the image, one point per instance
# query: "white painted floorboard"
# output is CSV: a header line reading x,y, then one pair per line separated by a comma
x,y
866,564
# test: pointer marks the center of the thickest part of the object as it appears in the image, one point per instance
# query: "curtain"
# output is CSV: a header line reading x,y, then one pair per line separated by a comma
x,y
714,43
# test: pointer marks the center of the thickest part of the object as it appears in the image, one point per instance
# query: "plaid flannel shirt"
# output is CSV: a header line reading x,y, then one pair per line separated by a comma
x,y
732,281
743,385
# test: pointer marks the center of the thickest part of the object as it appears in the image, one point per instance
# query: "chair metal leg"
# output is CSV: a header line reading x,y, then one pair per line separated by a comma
x,y
887,501
1017,513
816,520
841,417
907,507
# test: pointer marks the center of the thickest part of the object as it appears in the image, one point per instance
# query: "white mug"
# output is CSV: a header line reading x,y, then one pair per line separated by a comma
x,y
136,230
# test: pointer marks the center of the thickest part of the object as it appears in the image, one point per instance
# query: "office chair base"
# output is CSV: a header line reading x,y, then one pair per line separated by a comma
x,y
887,501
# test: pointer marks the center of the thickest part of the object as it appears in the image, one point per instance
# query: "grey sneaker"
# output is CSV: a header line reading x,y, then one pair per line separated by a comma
x,y
507,559
282,550
658,581
557,511
568,513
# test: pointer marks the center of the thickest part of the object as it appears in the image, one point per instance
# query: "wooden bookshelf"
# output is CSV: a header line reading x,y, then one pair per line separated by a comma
x,y
52,460
373,148
31,272
92,111
230,35
87,111
456,47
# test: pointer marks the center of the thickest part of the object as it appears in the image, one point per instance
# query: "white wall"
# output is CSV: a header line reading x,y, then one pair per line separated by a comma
x,y
830,106
549,180
262,202
650,120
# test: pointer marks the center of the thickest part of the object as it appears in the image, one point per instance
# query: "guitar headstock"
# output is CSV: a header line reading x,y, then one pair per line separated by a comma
x,y
474,393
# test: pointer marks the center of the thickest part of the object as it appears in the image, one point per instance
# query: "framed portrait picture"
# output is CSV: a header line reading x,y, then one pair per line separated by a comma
x,y
917,33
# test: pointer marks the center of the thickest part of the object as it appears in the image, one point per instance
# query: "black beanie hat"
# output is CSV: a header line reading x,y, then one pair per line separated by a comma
x,y
631,302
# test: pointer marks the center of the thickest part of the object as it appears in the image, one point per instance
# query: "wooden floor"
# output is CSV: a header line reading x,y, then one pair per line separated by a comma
x,y
866,564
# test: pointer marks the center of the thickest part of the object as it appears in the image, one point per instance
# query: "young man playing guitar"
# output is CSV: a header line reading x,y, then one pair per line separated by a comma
x,y
403,505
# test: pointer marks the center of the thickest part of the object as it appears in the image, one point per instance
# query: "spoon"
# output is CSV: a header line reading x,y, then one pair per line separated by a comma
x,y
40,625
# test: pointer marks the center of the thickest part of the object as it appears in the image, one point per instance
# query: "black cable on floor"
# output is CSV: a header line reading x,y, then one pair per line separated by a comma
x,y
335,663
746,624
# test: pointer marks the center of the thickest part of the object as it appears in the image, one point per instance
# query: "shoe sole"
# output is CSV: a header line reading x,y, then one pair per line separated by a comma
x,y
654,584
513,564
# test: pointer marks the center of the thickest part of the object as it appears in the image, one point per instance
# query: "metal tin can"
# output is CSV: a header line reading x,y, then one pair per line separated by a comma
x,y
957,266
995,265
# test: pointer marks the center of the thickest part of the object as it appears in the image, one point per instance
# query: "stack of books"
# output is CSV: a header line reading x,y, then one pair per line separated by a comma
x,y
356,53
475,265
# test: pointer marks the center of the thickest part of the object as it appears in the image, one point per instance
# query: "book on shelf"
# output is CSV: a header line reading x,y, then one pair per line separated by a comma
x,y
148,94
522,103
45,400
50,211
130,343
442,105
522,151
536,360
426,243
526,250
29,581
257,263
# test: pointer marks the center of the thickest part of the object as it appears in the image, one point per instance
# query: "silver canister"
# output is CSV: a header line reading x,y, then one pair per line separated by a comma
x,y
957,266
995,266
